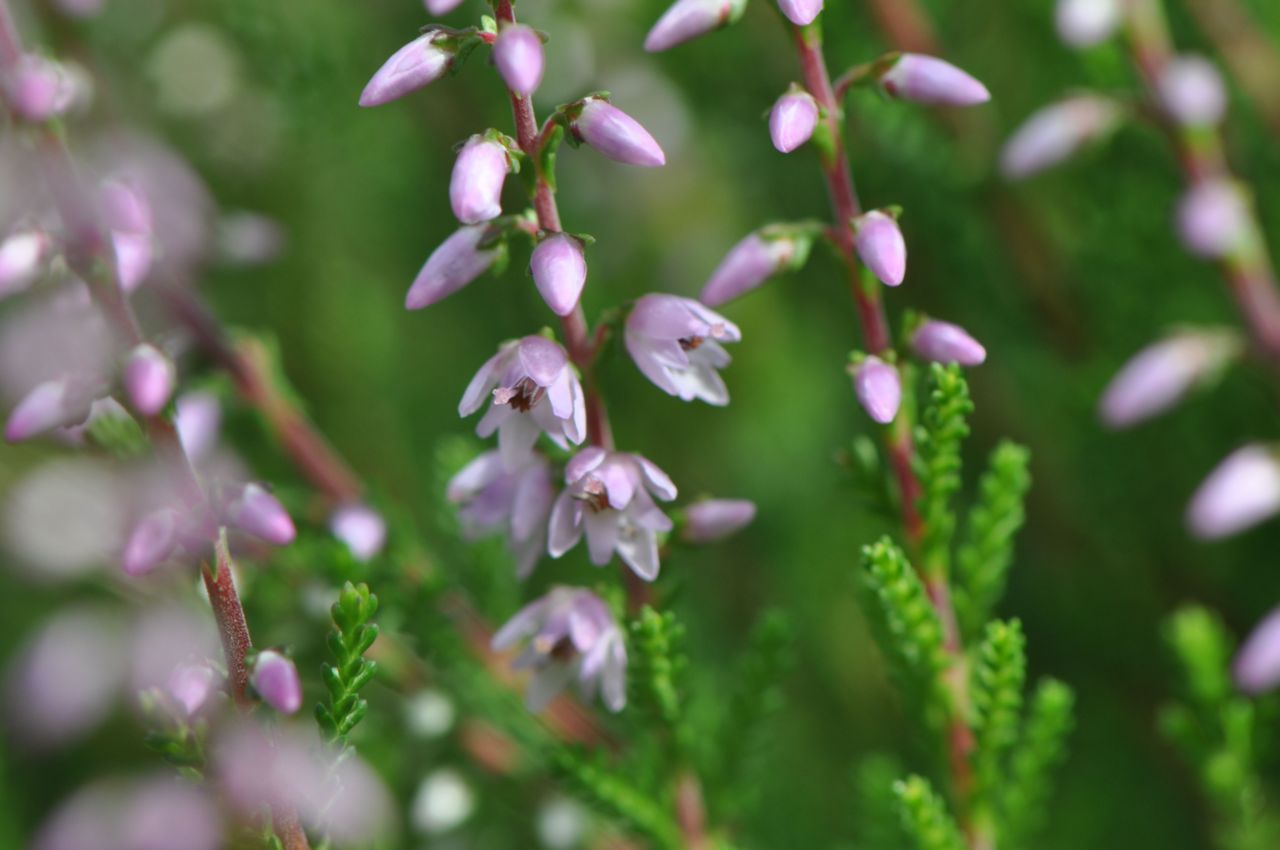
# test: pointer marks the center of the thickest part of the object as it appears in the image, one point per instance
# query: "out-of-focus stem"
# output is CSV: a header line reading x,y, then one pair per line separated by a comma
x,y
1247,269
907,25
1243,45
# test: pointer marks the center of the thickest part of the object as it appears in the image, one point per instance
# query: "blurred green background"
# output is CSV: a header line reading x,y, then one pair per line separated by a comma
x,y
1062,278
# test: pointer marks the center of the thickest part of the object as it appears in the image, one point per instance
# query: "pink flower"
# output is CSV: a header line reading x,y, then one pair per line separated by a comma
x,y
879,389
615,134
475,188
750,263
801,12
1084,23
1257,665
23,254
257,512
1161,375
943,342
792,120
149,379
676,343
1241,492
52,404
927,79
559,271
518,54
1057,131
514,503
1192,91
150,543
420,62
360,527
275,678
715,519
610,497
460,259
688,19
881,246
1214,218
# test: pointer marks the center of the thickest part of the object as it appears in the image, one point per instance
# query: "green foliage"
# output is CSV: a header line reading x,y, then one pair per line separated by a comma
x,y
879,822
997,683
614,796
1024,795
178,740
352,636
986,551
657,662
118,433
943,428
925,818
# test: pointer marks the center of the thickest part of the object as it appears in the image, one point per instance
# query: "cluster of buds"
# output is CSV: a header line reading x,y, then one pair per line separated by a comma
x,y
533,387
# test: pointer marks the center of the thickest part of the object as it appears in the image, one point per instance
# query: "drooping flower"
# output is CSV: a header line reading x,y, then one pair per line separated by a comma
x,y
1084,23
1057,131
53,404
792,120
534,390
944,342
750,263
150,543
801,12
1160,375
610,497
559,271
518,53
259,513
1241,492
460,259
475,187
360,527
149,379
928,79
570,634
515,503
715,519
615,134
879,389
687,19
676,343
420,62
1192,91
275,678
1257,665
1213,218
881,246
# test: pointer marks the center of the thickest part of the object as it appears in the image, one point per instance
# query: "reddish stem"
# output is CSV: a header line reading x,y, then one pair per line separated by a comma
x,y
228,613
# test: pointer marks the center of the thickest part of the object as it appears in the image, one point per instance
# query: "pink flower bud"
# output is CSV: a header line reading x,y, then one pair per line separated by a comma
x,y
878,388
259,513
1241,492
1213,218
1054,133
191,685
1084,23
716,519
276,681
360,527
801,12
53,404
150,543
792,121
1160,375
458,261
125,206
198,420
134,255
442,7
943,342
559,271
1257,665
475,190
688,19
616,134
747,265
927,79
423,60
40,89
1192,91
881,246
149,379
22,257
518,54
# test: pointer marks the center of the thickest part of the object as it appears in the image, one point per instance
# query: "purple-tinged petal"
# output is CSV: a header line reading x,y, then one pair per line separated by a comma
x,y
1162,374
275,678
1057,131
485,379
1214,218
474,477
198,420
39,89
602,536
801,12
360,527
943,342
747,265
150,543
1192,91
519,56
638,549
149,379
531,505
792,120
613,686
191,685
22,259
1241,492
475,187
716,519
881,247
541,359
616,135
879,389
619,478
687,19
1084,23
423,60
135,254
565,526
928,79
560,271
125,206
441,7
658,482
1257,666
584,462
259,513
516,438
50,405
458,261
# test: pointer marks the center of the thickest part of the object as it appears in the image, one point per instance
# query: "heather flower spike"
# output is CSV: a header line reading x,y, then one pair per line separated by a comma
x,y
1084,23
943,342
715,519
1163,373
420,62
569,634
688,19
754,260
1257,666
1241,492
610,497
516,504
927,79
793,119
1056,132
517,52
1213,218
150,543
534,390
881,246
878,388
615,134
23,254
559,271
475,188
801,12
149,379
257,512
275,678
460,259
1192,91
676,343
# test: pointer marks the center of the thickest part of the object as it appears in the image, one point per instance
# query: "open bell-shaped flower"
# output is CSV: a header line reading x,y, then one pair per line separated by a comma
x,y
460,259
569,634
518,53
420,62
881,246
515,503
559,271
610,497
614,133
792,120
534,390
687,19
676,343
928,79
